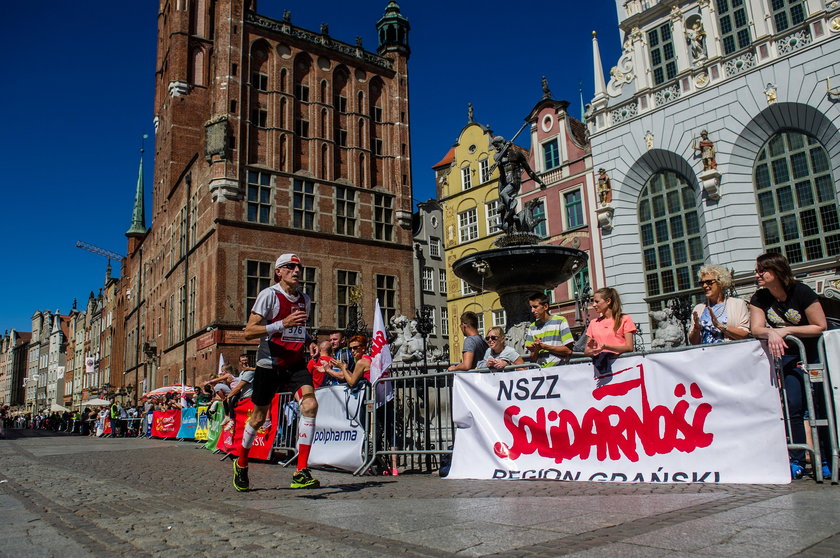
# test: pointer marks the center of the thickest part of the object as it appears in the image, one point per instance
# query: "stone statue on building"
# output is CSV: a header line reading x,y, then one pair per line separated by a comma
x,y
512,163
696,38
706,147
604,187
470,113
546,90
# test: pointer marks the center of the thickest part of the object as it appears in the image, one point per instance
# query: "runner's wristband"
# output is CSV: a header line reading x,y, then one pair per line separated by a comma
x,y
274,327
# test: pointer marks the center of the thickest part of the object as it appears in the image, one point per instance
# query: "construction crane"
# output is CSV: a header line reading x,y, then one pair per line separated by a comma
x,y
97,250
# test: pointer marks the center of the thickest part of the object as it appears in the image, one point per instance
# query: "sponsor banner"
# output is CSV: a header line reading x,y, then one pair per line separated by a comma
x,y
709,414
832,359
165,423
202,427
150,419
215,428
339,434
189,421
230,440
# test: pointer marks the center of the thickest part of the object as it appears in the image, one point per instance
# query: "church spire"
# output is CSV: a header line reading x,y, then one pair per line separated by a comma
x,y
138,216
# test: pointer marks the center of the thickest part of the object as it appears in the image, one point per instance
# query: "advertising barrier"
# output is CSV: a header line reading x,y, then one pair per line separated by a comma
x,y
230,440
709,414
202,427
189,421
339,434
165,424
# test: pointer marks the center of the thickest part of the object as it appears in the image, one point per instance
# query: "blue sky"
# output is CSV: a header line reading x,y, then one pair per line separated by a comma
x,y
78,96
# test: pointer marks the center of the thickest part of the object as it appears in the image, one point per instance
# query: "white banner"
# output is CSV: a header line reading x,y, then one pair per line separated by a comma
x,y
339,434
709,414
832,359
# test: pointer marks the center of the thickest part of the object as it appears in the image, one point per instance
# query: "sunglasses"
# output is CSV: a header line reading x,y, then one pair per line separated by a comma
x,y
292,266
492,338
708,282
760,271
355,347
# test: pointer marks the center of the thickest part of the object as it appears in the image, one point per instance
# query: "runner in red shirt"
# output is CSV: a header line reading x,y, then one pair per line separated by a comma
x,y
278,319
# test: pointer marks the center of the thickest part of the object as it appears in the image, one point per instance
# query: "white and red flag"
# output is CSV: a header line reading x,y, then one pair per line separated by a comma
x,y
380,354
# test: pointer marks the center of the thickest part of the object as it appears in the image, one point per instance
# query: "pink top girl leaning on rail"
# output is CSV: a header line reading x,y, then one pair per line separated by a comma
x,y
611,333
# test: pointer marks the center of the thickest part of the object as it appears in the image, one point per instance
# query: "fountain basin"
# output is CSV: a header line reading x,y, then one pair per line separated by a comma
x,y
515,272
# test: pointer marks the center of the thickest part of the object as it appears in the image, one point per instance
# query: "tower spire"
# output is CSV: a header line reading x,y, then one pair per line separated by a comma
x,y
392,29
600,100
138,215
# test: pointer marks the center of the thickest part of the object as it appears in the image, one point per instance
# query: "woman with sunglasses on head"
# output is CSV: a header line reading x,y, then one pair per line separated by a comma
x,y
783,306
611,333
498,355
357,346
721,318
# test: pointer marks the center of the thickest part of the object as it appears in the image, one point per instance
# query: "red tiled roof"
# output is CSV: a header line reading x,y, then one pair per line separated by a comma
x,y
447,159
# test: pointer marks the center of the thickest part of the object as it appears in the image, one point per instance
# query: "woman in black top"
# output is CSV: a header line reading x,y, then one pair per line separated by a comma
x,y
783,306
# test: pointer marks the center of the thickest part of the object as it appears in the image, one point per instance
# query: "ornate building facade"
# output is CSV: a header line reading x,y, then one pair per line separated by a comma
x,y
718,130
468,195
430,274
270,138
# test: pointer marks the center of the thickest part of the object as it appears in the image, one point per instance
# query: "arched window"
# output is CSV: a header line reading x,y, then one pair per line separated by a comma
x,y
669,225
283,79
795,198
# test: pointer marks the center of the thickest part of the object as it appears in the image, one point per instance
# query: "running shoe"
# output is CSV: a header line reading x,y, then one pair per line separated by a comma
x,y
240,477
797,471
826,470
303,479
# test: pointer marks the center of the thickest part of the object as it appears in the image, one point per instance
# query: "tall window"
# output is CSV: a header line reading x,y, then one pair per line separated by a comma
x,y
308,285
383,217
258,276
734,25
258,194
551,154
345,282
170,337
191,320
484,170
494,223
787,13
466,178
796,200
444,321
386,292
663,61
302,92
480,316
467,289
670,233
499,318
303,204
182,312
467,225
541,230
428,280
574,209
345,211
259,81
434,247
442,281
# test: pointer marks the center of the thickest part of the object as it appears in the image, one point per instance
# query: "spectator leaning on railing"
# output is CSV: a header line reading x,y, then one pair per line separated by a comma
x,y
721,318
611,333
783,306
498,355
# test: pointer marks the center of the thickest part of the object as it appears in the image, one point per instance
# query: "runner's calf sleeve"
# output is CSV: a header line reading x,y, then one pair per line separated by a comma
x,y
247,442
306,432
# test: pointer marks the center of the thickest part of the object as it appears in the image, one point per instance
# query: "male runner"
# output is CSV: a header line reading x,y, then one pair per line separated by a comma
x,y
278,319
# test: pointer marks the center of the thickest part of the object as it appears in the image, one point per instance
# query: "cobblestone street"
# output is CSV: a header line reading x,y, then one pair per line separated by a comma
x,y
71,496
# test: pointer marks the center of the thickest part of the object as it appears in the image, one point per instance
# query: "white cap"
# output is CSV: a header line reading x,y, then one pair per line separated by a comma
x,y
287,259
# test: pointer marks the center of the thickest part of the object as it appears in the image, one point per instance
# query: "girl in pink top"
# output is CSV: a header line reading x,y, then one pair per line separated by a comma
x,y
612,332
